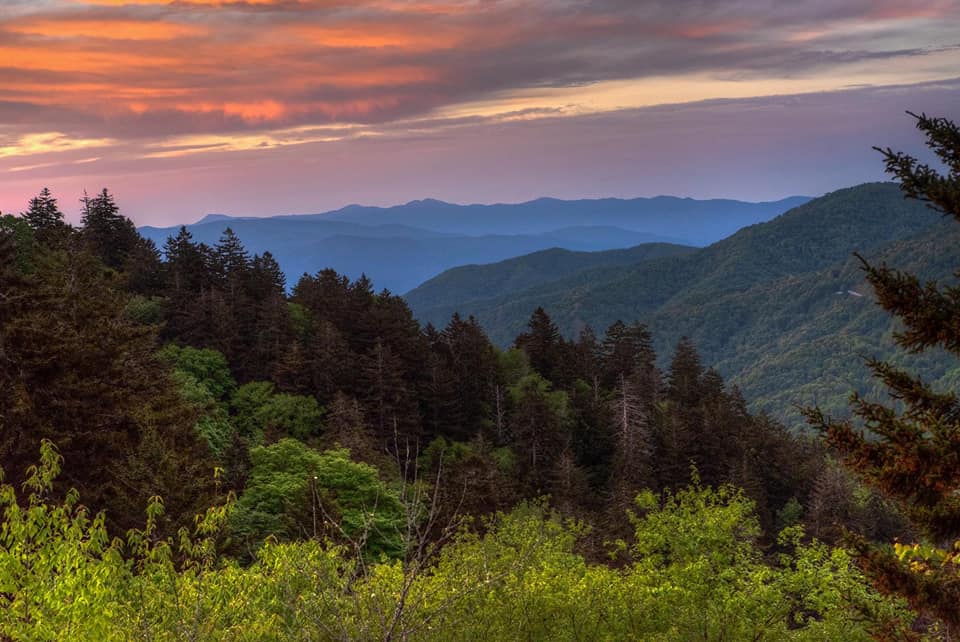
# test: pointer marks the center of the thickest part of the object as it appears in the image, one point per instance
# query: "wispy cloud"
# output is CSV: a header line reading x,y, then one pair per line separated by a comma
x,y
165,80
144,69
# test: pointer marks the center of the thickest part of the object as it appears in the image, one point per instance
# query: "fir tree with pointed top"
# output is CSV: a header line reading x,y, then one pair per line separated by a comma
x,y
544,346
43,215
232,262
110,235
910,449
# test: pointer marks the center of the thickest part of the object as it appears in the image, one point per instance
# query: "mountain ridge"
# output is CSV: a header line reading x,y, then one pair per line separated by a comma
x,y
739,293
399,248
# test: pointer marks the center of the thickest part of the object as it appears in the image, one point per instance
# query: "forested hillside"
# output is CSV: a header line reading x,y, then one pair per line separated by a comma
x,y
780,309
466,284
553,489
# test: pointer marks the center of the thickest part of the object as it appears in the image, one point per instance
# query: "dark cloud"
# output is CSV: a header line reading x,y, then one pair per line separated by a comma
x,y
210,67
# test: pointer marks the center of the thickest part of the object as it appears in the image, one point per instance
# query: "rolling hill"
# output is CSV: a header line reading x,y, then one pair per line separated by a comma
x,y
781,308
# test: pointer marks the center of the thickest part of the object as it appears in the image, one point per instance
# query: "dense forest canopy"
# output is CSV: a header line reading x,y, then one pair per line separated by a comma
x,y
782,309
370,478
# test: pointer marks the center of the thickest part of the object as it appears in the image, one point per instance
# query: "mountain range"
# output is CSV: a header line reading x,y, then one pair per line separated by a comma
x,y
781,309
400,247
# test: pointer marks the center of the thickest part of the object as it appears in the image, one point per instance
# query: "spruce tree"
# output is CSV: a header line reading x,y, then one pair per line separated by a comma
x,y
110,235
545,347
910,449
43,211
232,263
76,370
43,215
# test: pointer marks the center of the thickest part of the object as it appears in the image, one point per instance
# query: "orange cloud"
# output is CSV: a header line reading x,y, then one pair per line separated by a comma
x,y
122,3
40,58
376,36
165,68
109,30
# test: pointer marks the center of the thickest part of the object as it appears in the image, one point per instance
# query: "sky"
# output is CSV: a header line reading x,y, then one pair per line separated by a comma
x,y
266,107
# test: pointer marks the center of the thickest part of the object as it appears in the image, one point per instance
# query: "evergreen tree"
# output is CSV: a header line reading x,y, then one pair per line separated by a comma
x,y
685,381
184,264
545,347
331,365
680,420
43,211
43,215
266,317
390,408
291,372
346,428
110,235
438,389
144,269
587,356
232,264
540,426
472,364
79,372
569,486
912,451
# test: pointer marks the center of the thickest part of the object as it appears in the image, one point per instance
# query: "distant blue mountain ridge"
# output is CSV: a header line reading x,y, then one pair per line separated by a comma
x,y
402,246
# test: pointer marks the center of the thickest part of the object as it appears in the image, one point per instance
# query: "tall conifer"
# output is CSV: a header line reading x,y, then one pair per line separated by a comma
x,y
911,450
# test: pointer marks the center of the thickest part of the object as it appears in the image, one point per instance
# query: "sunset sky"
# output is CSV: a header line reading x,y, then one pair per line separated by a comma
x,y
277,106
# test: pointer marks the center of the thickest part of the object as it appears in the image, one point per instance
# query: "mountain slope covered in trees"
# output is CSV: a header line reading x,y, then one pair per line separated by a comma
x,y
777,307
346,451
401,247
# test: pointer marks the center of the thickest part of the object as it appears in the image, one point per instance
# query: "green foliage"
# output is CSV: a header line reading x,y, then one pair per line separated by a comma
x,y
297,416
60,575
693,572
259,410
146,310
213,424
245,403
514,365
24,242
294,491
208,367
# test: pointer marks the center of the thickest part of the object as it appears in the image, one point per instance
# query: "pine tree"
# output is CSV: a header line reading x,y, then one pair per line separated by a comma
x,y
144,269
110,235
330,364
291,373
540,426
472,364
912,451
184,263
569,487
685,382
43,211
390,408
232,264
680,419
545,347
43,215
588,355
264,319
80,373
